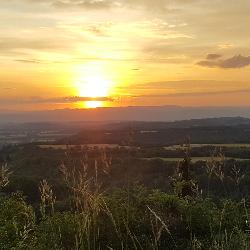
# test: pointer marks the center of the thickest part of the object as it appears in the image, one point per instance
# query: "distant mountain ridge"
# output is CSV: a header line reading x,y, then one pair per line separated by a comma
x,y
138,125
208,122
147,114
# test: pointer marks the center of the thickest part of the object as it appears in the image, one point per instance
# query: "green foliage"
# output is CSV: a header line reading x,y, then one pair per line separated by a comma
x,y
58,232
17,222
131,218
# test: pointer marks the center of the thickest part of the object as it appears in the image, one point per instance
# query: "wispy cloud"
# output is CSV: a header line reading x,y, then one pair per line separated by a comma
x,y
86,4
156,5
186,84
226,92
55,100
28,61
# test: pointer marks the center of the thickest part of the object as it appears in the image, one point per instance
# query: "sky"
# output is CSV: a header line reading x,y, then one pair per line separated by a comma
x,y
58,54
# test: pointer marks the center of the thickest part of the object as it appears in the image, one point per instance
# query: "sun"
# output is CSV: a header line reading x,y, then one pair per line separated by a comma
x,y
93,104
94,86
92,82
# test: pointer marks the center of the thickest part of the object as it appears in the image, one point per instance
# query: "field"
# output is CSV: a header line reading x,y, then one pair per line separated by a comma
x,y
229,145
100,146
195,159
170,157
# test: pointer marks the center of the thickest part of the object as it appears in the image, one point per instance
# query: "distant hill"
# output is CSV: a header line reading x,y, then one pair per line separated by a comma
x,y
210,130
221,121
155,125
205,122
160,113
125,125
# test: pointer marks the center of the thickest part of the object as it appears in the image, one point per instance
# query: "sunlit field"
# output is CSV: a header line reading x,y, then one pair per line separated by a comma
x,y
197,159
235,145
98,146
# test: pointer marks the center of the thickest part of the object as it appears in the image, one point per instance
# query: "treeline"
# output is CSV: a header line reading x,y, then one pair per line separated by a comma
x,y
165,136
30,164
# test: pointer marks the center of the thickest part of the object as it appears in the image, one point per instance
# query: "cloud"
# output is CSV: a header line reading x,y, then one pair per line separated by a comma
x,y
236,62
155,6
225,46
209,64
86,4
73,99
184,84
229,63
56,100
186,88
213,56
226,92
8,88
13,44
161,6
28,61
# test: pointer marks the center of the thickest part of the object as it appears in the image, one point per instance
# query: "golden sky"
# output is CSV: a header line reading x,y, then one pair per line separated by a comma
x,y
89,53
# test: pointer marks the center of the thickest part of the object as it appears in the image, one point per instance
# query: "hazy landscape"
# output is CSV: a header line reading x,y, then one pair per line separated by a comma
x,y
154,113
124,125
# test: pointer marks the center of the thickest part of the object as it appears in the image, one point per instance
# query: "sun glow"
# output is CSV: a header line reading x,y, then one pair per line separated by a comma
x,y
92,81
93,104
94,86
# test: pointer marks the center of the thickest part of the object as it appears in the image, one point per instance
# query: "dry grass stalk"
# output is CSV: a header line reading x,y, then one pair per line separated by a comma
x,y
4,176
47,199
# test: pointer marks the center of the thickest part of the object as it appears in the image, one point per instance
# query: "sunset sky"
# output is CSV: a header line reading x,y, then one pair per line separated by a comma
x,y
89,53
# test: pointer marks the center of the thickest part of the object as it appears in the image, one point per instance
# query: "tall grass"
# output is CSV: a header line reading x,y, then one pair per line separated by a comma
x,y
100,225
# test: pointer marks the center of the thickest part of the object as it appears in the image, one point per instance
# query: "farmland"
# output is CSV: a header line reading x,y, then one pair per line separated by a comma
x,y
198,159
219,145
